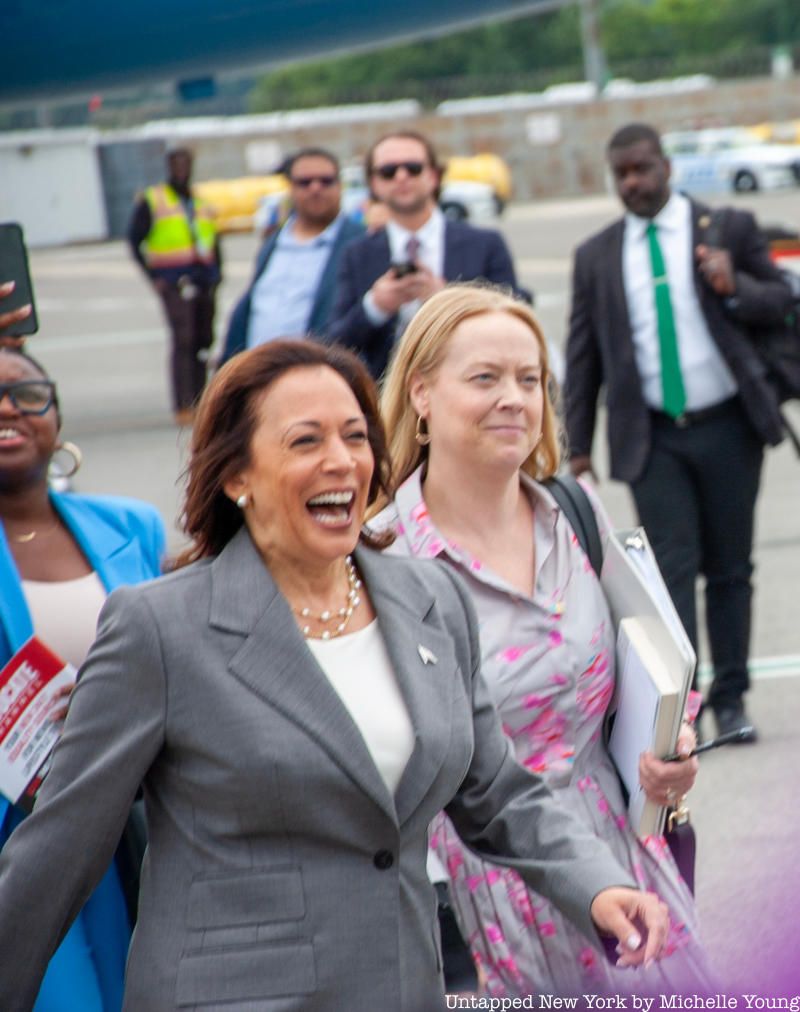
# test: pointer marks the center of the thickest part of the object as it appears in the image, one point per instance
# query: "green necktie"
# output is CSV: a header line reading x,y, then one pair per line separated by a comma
x,y
671,379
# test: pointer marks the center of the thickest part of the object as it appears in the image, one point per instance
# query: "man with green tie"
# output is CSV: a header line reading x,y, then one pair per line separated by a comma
x,y
663,319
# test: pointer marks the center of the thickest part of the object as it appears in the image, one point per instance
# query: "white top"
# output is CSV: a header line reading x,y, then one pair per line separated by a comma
x,y
430,254
64,614
707,379
359,669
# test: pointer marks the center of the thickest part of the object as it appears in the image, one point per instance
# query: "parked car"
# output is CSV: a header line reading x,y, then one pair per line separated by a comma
x,y
784,248
730,159
235,200
486,168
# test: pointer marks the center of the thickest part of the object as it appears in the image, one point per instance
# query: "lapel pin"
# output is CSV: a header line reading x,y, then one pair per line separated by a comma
x,y
704,221
428,656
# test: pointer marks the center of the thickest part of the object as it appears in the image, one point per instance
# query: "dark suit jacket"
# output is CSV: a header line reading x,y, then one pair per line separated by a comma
x,y
600,348
469,253
236,339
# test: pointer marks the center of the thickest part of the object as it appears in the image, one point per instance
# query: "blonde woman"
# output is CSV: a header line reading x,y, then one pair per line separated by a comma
x,y
473,434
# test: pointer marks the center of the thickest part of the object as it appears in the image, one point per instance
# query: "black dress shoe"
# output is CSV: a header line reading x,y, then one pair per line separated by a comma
x,y
731,717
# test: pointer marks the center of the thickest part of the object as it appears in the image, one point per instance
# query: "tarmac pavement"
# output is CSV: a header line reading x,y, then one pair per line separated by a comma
x,y
103,339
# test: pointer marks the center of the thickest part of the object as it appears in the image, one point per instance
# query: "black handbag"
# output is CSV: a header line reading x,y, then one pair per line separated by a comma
x,y
573,502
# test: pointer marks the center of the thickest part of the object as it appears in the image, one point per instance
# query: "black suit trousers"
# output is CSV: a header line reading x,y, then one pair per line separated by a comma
x,y
191,323
696,499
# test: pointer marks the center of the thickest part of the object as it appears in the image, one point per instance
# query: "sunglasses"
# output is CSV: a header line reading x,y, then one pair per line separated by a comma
x,y
305,181
30,397
390,169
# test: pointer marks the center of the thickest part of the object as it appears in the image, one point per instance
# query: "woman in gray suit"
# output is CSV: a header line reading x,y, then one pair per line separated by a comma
x,y
297,708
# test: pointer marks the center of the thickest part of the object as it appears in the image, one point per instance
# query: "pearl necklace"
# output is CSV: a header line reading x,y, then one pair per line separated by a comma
x,y
343,614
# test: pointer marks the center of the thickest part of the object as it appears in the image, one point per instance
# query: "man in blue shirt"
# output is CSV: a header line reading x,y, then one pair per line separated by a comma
x,y
291,294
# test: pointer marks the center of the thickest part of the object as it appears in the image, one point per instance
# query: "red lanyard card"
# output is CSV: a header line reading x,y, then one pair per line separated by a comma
x,y
30,692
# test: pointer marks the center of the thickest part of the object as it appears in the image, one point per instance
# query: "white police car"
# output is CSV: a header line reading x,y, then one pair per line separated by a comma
x,y
714,160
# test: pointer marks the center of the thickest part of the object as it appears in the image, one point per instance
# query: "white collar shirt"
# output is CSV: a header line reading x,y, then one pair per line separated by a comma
x,y
707,379
430,253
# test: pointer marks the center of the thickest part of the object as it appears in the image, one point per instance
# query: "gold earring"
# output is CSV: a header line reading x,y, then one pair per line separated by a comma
x,y
74,452
422,436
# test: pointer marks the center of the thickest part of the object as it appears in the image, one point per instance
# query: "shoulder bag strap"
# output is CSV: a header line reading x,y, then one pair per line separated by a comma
x,y
576,507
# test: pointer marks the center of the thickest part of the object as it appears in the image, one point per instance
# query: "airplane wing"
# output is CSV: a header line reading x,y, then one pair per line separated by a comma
x,y
76,47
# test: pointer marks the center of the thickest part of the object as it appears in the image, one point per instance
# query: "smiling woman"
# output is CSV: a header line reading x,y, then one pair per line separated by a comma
x,y
298,708
307,454
59,557
474,440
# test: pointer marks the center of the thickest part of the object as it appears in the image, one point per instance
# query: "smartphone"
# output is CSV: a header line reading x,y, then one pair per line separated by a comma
x,y
14,267
403,269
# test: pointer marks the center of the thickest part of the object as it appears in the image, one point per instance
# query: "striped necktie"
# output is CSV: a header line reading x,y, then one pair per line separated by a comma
x,y
671,378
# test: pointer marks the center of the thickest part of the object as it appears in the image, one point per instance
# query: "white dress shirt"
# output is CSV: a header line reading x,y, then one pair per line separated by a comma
x,y
707,379
430,254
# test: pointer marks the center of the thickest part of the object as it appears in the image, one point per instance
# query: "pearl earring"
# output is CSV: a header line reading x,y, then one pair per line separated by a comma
x,y
241,502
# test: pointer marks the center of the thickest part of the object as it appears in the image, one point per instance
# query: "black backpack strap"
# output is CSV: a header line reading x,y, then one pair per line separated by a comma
x,y
577,508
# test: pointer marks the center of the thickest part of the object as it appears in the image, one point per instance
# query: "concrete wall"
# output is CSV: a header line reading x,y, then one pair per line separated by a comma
x,y
554,149
554,144
51,185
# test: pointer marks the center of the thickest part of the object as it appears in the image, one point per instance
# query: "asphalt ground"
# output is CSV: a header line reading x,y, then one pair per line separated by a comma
x,y
103,339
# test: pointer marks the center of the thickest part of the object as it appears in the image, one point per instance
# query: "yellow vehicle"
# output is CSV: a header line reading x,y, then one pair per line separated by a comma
x,y
235,200
785,132
483,168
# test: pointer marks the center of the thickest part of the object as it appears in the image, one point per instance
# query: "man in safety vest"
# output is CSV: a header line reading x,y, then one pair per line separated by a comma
x,y
173,236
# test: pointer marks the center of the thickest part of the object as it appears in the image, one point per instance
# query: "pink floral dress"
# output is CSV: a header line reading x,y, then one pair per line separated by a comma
x,y
549,664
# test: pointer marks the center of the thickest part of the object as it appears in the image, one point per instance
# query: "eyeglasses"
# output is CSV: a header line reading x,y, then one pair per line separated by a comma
x,y
305,181
31,397
390,169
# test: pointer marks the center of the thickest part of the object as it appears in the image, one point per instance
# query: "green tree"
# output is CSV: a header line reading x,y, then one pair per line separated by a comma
x,y
663,36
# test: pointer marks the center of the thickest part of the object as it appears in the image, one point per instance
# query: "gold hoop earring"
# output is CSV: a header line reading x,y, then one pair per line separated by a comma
x,y
422,436
74,452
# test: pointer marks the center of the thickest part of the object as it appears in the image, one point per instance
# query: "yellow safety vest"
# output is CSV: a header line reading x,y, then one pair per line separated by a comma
x,y
173,241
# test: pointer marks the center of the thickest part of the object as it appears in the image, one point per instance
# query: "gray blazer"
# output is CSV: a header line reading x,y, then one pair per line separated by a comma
x,y
281,874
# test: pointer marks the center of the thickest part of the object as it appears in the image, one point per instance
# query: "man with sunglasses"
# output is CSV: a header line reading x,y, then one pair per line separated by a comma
x,y
292,291
386,276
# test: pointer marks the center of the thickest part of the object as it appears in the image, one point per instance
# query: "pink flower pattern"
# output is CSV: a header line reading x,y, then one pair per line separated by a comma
x,y
549,664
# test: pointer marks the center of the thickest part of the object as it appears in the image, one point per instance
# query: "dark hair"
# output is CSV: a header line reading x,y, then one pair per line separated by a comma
x,y
289,162
634,133
19,353
226,421
409,135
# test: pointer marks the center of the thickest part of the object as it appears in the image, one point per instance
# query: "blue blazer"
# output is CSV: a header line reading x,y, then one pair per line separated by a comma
x,y
123,540
469,253
236,339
